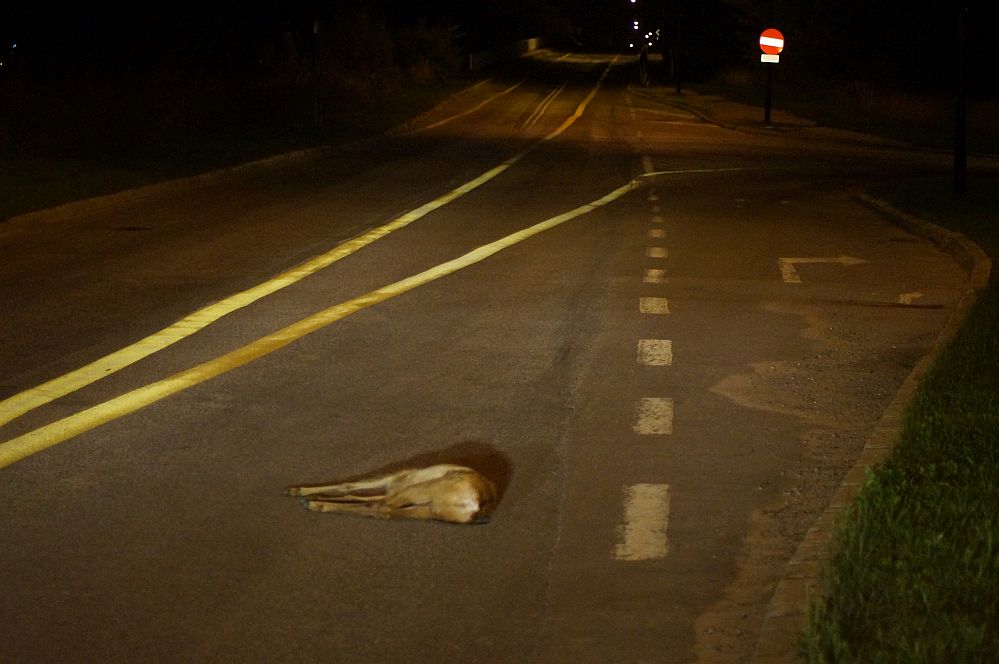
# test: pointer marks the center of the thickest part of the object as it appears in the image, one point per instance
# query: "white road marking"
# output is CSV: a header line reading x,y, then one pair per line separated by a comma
x,y
655,416
790,275
468,112
656,252
653,276
657,233
653,197
542,107
642,536
909,298
653,305
655,352
656,219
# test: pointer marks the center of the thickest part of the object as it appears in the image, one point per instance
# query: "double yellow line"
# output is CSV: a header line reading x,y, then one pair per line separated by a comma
x,y
47,436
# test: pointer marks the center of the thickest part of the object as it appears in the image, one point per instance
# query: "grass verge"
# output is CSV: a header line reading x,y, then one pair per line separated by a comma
x,y
915,571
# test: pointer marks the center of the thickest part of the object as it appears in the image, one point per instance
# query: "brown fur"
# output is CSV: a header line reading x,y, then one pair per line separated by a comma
x,y
444,492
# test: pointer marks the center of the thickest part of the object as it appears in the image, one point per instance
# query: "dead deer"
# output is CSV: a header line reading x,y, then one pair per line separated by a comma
x,y
444,492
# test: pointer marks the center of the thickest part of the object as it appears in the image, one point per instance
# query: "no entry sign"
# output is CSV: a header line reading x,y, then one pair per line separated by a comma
x,y
771,41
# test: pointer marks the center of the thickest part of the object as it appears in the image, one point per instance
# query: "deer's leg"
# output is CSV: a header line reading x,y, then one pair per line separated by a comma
x,y
346,488
369,509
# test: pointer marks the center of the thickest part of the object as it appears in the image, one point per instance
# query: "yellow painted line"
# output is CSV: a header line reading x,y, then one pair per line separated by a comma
x,y
27,400
475,108
44,437
23,402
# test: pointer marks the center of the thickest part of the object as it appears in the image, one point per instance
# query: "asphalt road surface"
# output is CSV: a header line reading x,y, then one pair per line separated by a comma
x,y
668,353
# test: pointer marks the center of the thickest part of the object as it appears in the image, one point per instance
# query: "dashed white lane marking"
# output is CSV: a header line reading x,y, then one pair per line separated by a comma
x,y
657,208
655,352
656,219
653,305
655,416
656,252
653,197
654,276
657,233
642,536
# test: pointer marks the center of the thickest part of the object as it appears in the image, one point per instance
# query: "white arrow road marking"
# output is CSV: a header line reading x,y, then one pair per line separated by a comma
x,y
642,536
909,298
790,275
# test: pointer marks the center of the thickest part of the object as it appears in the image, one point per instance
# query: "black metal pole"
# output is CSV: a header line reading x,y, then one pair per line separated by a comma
x,y
768,96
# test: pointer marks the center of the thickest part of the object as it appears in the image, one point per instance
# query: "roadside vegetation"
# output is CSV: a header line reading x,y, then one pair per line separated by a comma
x,y
915,572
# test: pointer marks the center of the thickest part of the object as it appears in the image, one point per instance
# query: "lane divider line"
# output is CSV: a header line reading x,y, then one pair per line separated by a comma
x,y
656,252
654,276
68,427
655,416
475,108
655,352
643,535
23,402
539,112
653,305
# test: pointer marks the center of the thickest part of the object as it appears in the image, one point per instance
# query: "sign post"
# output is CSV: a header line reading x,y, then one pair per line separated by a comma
x,y
771,43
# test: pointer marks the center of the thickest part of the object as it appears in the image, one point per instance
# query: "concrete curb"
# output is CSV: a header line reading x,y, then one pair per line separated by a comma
x,y
779,640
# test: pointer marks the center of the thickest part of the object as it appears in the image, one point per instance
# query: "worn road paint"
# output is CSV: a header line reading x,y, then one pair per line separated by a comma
x,y
653,305
657,252
790,275
653,276
657,219
655,417
657,233
539,112
655,352
643,535
909,298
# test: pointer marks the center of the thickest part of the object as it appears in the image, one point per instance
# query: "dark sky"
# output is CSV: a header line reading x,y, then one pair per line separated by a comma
x,y
896,40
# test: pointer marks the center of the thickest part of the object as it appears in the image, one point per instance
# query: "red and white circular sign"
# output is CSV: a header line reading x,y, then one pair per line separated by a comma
x,y
771,41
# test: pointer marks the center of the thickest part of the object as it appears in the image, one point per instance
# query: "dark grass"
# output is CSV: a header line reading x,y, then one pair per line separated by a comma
x,y
915,571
